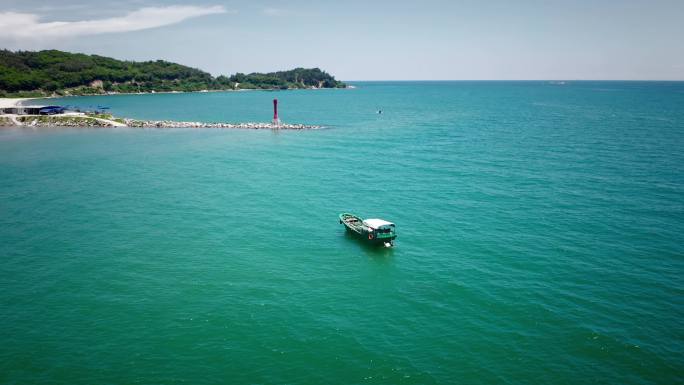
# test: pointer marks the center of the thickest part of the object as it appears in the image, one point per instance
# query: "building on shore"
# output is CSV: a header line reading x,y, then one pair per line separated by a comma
x,y
33,110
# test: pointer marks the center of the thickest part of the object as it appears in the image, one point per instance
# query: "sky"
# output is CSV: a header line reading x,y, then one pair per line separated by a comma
x,y
369,40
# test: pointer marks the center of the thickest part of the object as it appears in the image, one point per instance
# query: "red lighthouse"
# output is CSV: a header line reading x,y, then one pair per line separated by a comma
x,y
275,112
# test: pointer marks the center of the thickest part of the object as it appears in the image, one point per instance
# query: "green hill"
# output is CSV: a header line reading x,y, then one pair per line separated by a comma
x,y
28,73
296,78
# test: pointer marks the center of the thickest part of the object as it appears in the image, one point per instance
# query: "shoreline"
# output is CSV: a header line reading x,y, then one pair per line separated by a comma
x,y
80,119
348,87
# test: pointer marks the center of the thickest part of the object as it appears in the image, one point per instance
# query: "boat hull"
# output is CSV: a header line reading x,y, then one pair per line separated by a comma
x,y
361,232
374,240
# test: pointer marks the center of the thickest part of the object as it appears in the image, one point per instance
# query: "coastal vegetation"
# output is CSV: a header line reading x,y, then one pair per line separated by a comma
x,y
61,121
296,78
53,72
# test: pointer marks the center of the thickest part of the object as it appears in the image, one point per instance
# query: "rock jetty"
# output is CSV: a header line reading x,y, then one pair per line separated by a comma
x,y
82,120
253,126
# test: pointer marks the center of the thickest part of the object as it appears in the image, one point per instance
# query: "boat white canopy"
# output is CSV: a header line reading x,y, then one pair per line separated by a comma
x,y
377,223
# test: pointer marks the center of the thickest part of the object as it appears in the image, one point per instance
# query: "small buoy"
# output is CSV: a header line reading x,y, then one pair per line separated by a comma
x,y
387,244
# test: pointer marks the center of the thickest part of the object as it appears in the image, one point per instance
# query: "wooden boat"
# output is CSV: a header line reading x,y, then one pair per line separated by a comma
x,y
375,231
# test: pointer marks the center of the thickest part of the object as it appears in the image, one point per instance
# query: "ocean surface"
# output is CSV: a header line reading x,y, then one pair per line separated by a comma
x,y
540,239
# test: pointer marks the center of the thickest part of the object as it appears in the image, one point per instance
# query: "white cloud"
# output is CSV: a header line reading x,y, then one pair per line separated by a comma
x,y
27,26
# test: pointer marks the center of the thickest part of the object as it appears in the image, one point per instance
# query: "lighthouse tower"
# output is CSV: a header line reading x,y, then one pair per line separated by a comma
x,y
276,121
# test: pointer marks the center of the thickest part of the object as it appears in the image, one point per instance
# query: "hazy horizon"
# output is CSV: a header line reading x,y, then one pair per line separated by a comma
x,y
378,41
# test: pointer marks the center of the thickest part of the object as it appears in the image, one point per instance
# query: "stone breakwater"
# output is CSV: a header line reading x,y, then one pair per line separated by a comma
x,y
253,126
81,120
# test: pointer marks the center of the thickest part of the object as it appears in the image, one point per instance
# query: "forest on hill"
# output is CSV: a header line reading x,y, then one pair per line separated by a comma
x,y
53,72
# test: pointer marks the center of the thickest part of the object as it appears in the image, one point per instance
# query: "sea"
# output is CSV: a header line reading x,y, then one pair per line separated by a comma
x,y
540,238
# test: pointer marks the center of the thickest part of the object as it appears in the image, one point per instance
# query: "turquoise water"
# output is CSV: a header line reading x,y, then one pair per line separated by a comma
x,y
539,239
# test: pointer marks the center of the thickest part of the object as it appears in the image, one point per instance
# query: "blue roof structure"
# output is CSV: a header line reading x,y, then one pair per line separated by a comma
x,y
51,110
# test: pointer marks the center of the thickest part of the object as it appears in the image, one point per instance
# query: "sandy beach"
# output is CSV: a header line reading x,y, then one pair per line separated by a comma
x,y
11,102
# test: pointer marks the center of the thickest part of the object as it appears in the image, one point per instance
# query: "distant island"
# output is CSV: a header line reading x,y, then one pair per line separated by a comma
x,y
58,73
